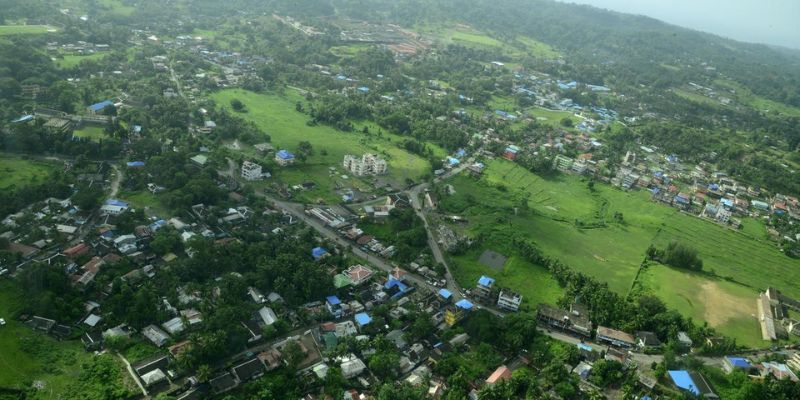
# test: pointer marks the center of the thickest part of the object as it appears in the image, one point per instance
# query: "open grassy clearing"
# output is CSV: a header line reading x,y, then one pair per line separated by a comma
x,y
15,171
744,95
94,133
697,98
117,7
538,49
27,356
147,201
25,29
287,127
613,252
71,61
349,50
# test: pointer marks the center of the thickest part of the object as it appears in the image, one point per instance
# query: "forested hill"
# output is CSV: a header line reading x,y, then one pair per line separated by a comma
x,y
601,40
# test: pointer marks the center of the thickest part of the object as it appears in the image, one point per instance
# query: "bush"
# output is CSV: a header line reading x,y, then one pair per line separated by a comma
x,y
680,255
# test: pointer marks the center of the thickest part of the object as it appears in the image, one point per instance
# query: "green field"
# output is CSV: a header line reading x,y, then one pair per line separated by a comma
x,y
469,37
744,95
116,7
24,29
349,50
27,356
575,225
71,61
277,116
95,133
14,171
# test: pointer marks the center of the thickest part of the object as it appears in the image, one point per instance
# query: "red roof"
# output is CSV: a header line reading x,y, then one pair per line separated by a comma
x,y
364,240
76,250
502,373
398,273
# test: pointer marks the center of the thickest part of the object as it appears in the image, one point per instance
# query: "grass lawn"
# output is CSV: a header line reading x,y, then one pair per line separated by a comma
x,y
349,50
15,171
26,355
287,127
538,49
613,252
25,29
71,61
144,199
94,133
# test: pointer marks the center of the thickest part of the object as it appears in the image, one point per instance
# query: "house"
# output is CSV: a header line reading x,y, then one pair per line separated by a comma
x,y
92,341
508,300
267,316
334,306
251,171
778,370
693,383
358,274
155,335
352,366
455,313
249,370
730,363
284,158
174,326
502,373
362,319
576,320
615,338
77,250
583,369
483,289
199,160
223,383
647,340
445,295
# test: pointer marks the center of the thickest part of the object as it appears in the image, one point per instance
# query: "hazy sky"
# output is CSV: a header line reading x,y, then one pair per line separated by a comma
x,y
761,21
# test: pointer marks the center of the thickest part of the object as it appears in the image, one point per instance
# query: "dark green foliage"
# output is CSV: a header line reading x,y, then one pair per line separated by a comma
x,y
680,255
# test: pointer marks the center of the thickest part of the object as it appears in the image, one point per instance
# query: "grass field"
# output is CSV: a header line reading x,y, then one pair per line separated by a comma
x,y
469,37
737,265
116,7
277,116
91,132
25,29
744,95
26,355
15,171
349,50
71,61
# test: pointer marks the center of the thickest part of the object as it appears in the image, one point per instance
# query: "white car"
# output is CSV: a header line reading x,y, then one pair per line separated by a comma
x,y
2,322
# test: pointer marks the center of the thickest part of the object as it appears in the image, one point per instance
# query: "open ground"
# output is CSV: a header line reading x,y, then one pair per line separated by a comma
x,y
16,171
277,116
571,222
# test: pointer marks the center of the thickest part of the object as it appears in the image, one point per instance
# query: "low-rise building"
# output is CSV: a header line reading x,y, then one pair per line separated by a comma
x,y
508,300
284,158
251,171
615,338
368,164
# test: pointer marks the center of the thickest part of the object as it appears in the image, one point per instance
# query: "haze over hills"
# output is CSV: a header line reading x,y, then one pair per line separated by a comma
x,y
393,200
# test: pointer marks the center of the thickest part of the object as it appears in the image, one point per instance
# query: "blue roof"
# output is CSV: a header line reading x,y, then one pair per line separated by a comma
x,y
445,293
333,300
363,89
684,381
585,347
738,362
486,281
727,202
285,155
136,163
318,252
363,319
101,105
115,202
137,128
453,161
461,153
465,304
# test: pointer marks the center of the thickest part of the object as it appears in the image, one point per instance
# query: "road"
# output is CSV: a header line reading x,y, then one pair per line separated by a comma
x,y
133,374
118,176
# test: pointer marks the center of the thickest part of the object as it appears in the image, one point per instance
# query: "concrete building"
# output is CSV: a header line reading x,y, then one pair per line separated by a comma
x,y
508,300
251,171
284,158
368,164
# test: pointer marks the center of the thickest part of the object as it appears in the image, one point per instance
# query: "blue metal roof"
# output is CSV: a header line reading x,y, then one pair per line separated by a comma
x,y
684,381
738,362
318,252
585,347
363,319
465,304
485,281
136,163
333,300
101,105
445,293
285,155
115,202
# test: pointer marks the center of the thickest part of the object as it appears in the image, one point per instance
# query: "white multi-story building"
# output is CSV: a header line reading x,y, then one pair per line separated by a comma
x,y
251,171
508,300
368,164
